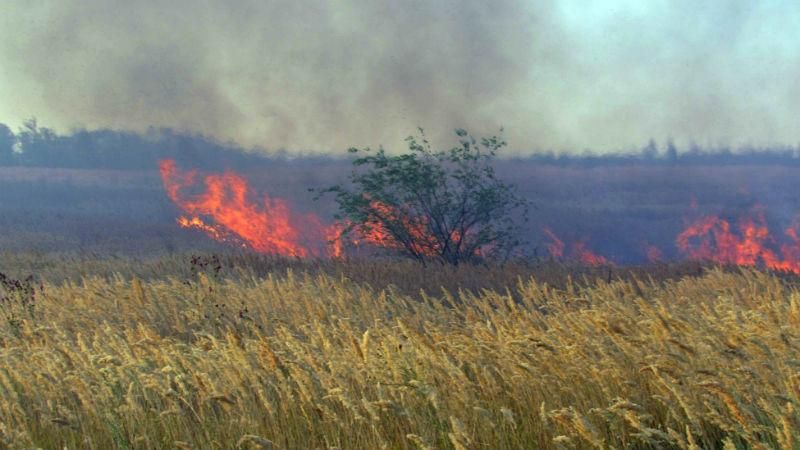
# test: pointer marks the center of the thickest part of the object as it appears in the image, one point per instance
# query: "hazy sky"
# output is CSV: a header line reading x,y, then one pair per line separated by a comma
x,y
317,75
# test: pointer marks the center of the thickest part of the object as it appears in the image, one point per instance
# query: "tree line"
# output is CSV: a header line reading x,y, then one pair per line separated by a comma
x,y
33,145
37,146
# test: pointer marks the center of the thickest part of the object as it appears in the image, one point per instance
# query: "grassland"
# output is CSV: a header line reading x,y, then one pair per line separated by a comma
x,y
260,354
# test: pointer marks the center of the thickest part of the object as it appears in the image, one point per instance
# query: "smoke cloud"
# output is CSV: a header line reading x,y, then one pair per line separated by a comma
x,y
320,76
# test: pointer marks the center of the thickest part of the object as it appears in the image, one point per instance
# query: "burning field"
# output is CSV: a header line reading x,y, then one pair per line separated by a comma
x,y
227,209
623,215
284,333
384,225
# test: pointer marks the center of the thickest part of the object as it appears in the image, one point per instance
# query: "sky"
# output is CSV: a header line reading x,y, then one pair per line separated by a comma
x,y
318,76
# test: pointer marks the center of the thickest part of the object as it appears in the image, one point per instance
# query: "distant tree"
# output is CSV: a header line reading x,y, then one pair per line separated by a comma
x,y
672,152
36,143
428,204
650,151
7,141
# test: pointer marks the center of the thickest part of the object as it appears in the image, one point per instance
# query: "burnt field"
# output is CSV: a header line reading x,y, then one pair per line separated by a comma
x,y
628,214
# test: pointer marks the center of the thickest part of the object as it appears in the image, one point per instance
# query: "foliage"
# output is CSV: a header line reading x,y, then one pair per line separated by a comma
x,y
34,145
433,204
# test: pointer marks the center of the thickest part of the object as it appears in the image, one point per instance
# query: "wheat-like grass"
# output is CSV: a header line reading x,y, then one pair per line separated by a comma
x,y
314,361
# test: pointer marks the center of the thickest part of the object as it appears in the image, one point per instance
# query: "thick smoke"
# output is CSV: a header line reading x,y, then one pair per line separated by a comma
x,y
321,76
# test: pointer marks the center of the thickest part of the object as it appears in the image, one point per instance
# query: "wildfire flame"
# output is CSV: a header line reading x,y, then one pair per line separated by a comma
x,y
749,243
420,240
578,251
216,233
228,210
267,227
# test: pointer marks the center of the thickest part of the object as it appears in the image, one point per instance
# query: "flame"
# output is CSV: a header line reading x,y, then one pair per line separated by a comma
x,y
420,239
578,251
272,227
333,236
227,210
749,243
266,227
215,232
556,245
654,254
588,257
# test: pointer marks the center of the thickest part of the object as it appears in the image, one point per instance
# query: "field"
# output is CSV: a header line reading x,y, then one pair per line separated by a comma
x,y
617,211
136,334
242,351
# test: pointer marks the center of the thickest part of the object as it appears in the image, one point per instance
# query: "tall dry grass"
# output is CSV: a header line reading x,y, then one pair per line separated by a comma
x,y
408,277
314,361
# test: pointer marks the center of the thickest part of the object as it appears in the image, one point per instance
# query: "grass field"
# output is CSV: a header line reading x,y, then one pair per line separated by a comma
x,y
243,352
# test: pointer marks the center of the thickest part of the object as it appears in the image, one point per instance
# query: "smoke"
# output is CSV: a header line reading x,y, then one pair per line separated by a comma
x,y
325,75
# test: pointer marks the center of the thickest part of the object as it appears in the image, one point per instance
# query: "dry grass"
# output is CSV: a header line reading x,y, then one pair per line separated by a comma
x,y
305,361
405,276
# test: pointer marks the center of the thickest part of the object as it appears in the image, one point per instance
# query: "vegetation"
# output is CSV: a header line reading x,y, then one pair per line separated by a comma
x,y
433,204
213,357
39,146
34,145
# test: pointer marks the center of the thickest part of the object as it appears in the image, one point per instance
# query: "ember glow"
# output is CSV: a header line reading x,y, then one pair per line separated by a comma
x,y
747,243
267,226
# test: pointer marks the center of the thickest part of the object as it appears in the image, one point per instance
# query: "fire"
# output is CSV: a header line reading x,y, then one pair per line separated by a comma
x,y
556,245
226,211
215,232
587,256
268,226
748,243
578,251
421,241
229,211
653,253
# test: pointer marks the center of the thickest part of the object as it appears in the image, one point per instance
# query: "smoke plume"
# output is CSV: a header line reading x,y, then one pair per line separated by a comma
x,y
318,76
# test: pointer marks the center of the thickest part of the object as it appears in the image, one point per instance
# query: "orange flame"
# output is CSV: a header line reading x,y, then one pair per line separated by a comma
x,y
226,211
270,227
556,245
420,240
587,256
215,232
578,251
273,228
376,232
749,244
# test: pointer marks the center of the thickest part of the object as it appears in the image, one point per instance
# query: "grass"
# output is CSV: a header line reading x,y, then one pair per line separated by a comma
x,y
405,276
303,356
